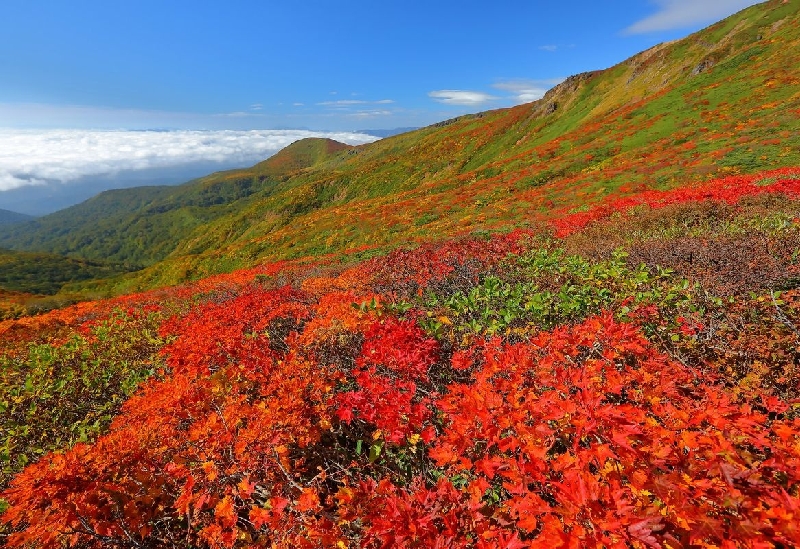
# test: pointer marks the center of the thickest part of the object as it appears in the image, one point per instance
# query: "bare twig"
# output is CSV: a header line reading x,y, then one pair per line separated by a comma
x,y
285,472
782,316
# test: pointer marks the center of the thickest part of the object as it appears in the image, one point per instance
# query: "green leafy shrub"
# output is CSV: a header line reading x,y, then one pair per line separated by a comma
x,y
64,392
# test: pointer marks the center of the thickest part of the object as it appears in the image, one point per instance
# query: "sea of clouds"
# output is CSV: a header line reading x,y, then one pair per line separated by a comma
x,y
44,157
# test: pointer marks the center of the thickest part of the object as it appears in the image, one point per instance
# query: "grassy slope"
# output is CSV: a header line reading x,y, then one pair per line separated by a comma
x,y
722,100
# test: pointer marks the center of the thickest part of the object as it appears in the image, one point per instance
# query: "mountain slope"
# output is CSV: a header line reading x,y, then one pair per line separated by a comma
x,y
630,361
141,225
338,406
723,100
8,217
40,273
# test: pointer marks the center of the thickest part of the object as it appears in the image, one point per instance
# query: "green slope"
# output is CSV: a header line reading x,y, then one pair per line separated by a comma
x,y
39,273
723,100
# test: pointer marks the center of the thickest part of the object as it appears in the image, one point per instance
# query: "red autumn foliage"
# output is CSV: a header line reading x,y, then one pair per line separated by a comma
x,y
583,436
731,189
394,361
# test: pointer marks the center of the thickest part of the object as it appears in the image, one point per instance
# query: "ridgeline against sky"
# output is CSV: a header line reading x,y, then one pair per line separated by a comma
x,y
314,64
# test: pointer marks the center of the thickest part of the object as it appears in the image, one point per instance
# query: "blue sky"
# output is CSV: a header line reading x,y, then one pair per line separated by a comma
x,y
322,65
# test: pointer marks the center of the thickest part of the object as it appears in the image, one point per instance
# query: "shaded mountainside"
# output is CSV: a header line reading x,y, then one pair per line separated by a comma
x,y
8,217
42,273
723,100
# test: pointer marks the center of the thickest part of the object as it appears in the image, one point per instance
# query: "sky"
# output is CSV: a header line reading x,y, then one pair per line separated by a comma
x,y
277,65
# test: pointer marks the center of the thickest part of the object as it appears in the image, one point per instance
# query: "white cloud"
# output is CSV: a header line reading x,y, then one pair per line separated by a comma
x,y
548,47
678,14
256,107
342,102
461,97
370,114
525,91
238,114
33,157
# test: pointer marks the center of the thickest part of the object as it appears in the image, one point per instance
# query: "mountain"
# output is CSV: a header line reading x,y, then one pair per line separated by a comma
x,y
142,225
619,370
9,218
721,101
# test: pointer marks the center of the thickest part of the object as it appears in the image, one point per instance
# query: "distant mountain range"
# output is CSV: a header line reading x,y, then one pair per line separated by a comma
x,y
721,101
8,217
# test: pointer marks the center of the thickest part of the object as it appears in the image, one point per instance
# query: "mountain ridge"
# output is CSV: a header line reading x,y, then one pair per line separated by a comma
x,y
7,217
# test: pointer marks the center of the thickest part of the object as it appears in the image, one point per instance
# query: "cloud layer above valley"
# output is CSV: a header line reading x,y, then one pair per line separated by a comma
x,y
37,157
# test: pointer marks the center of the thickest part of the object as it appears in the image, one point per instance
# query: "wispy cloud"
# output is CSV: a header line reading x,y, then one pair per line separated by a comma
x,y
525,91
370,113
548,47
461,97
256,107
341,103
35,157
678,14
238,114
350,102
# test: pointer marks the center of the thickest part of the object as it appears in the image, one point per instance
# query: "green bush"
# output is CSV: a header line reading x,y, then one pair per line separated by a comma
x,y
61,393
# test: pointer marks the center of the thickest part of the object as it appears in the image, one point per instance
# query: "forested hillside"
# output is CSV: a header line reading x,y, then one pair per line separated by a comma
x,y
8,217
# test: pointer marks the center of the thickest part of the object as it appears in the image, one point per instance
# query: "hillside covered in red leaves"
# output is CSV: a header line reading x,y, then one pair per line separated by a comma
x,y
616,379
